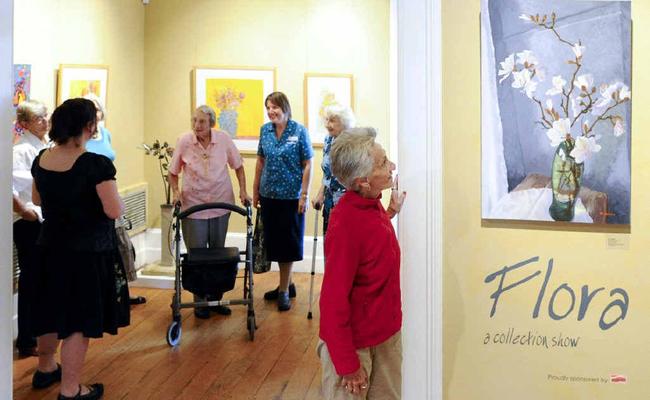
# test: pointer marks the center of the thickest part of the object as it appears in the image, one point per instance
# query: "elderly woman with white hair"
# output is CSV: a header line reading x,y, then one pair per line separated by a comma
x,y
360,304
203,156
337,119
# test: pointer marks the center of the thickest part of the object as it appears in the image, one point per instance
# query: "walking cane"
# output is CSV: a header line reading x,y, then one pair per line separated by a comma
x,y
313,262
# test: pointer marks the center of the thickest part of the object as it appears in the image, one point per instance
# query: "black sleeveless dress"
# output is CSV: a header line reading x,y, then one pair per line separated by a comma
x,y
81,284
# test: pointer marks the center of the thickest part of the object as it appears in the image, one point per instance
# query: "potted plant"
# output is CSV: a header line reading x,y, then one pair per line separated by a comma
x,y
163,152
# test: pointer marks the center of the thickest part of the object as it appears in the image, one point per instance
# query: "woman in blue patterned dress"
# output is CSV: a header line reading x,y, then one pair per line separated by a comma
x,y
337,119
282,176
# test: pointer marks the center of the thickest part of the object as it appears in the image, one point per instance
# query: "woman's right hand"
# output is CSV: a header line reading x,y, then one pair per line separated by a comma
x,y
356,382
256,199
318,201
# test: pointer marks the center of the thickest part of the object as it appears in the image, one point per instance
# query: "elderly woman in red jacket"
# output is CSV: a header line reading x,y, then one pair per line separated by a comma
x,y
360,304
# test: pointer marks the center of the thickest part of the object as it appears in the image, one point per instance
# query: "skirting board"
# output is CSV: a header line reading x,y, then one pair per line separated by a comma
x,y
147,248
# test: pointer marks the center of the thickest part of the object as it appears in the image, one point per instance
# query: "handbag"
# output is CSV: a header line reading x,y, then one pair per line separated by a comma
x,y
260,262
127,252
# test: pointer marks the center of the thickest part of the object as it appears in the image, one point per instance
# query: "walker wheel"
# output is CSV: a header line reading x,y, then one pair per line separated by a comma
x,y
174,333
250,324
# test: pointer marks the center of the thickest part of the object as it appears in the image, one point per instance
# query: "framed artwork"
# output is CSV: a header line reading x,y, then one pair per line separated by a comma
x,y
321,91
79,80
22,83
237,96
556,111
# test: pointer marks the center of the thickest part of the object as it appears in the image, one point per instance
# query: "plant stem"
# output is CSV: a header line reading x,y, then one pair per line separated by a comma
x,y
548,125
602,117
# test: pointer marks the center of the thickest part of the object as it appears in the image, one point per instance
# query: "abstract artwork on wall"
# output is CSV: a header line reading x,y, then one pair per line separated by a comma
x,y
22,88
237,96
80,80
321,91
22,83
556,104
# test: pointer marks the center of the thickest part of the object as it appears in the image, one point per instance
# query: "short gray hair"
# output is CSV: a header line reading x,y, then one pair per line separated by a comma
x,y
351,155
207,110
98,103
343,113
30,109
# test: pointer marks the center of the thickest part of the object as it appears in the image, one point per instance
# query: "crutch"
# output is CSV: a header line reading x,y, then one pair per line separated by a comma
x,y
313,262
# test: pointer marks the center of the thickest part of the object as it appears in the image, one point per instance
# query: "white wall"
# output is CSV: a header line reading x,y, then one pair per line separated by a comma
x,y
6,113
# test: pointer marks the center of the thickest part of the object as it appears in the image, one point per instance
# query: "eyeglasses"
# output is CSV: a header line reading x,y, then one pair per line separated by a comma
x,y
39,118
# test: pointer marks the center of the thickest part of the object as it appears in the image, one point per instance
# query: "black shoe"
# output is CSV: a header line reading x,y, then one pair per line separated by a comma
x,y
137,300
202,312
273,294
96,392
41,380
284,304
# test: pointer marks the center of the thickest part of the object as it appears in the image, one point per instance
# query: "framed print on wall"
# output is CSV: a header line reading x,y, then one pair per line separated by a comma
x,y
321,91
237,96
79,80
556,111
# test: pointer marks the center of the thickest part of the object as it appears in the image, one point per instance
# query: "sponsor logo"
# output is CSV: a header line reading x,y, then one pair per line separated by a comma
x,y
617,378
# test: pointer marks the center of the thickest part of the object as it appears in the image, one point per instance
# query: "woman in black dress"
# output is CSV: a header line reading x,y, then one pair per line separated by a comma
x,y
82,290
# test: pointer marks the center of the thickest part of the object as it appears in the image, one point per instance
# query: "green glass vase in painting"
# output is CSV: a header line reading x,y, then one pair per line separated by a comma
x,y
566,176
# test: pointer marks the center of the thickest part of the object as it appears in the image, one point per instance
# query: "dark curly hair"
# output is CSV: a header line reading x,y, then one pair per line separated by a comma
x,y
70,118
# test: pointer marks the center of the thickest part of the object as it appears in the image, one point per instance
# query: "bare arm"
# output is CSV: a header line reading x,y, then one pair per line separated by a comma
x,y
173,183
241,179
111,201
304,190
259,166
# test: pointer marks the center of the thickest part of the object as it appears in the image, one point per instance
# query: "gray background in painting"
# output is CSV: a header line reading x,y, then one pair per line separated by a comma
x,y
604,28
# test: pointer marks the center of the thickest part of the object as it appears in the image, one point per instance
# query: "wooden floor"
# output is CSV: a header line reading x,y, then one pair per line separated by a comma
x,y
215,359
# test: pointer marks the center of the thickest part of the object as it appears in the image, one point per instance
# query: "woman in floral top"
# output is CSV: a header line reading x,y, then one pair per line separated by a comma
x,y
337,119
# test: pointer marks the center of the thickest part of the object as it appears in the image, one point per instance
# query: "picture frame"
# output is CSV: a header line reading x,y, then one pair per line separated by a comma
x,y
22,81
237,96
320,91
76,80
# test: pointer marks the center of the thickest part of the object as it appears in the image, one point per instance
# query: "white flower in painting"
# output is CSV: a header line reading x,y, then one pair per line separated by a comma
x,y
619,127
601,105
575,106
530,88
507,67
625,93
526,58
578,50
558,85
584,148
525,17
549,104
558,133
584,82
540,73
522,80
608,95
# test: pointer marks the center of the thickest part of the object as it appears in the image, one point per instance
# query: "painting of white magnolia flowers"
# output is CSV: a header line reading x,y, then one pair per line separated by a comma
x,y
556,104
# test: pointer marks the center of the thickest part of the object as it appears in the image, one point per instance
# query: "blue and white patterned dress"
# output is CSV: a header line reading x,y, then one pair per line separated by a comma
x,y
333,188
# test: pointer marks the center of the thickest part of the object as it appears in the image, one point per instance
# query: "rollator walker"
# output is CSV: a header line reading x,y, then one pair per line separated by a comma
x,y
210,269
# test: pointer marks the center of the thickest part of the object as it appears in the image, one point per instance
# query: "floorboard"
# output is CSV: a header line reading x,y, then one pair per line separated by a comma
x,y
215,359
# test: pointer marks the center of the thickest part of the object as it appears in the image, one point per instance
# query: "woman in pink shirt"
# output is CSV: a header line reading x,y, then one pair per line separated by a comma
x,y
360,304
203,156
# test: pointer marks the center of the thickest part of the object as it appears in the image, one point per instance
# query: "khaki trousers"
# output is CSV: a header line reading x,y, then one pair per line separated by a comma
x,y
383,365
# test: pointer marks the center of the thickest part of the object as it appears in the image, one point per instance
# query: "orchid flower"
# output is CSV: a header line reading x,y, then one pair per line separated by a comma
x,y
619,127
507,67
526,58
525,17
578,50
584,148
584,82
558,133
558,85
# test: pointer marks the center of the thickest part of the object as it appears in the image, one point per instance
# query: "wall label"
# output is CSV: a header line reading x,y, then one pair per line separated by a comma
x,y
614,312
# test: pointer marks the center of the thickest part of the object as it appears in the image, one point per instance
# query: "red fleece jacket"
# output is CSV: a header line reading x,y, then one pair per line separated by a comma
x,y
360,301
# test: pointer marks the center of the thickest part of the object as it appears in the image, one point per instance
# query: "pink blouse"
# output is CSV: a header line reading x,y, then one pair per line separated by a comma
x,y
205,171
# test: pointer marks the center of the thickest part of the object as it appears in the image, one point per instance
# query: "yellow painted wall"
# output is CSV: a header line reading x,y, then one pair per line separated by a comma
x,y
472,251
49,33
294,36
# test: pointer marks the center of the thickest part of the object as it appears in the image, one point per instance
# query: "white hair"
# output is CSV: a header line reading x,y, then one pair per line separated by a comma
x,y
343,113
207,110
351,156
30,109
